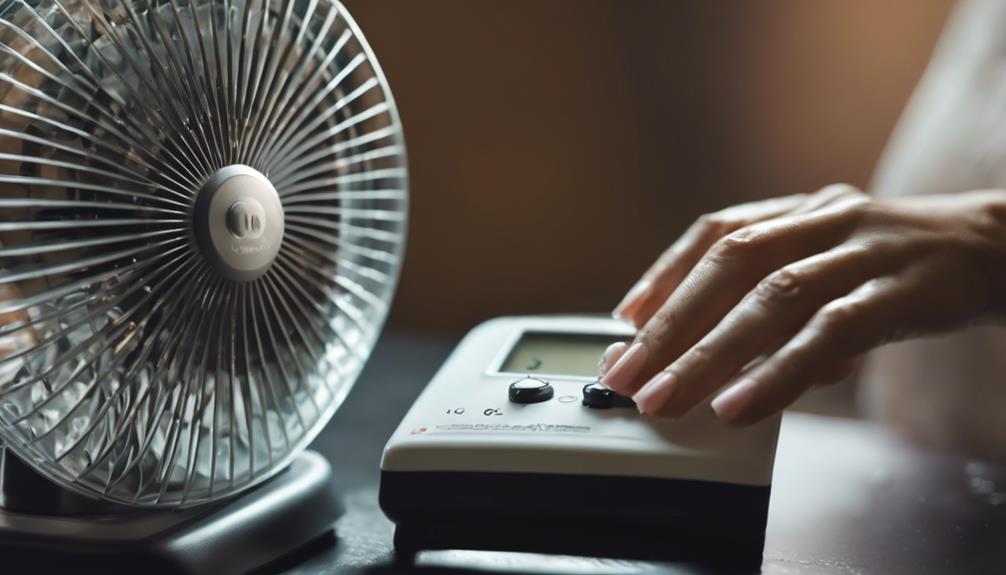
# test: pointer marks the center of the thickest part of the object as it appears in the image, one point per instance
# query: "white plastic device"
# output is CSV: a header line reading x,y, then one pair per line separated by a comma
x,y
508,430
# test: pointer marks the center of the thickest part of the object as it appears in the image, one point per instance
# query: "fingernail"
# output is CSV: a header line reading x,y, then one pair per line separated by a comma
x,y
652,396
730,404
611,355
626,368
632,300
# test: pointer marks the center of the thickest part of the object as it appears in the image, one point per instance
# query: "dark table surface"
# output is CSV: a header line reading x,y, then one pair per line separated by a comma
x,y
847,497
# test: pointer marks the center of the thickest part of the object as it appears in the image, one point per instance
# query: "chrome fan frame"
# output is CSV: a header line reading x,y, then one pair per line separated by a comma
x,y
131,108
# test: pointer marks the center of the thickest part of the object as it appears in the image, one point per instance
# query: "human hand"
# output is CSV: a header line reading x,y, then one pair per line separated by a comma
x,y
808,283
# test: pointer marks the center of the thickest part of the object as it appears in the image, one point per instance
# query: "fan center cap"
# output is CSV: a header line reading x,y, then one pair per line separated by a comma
x,y
238,222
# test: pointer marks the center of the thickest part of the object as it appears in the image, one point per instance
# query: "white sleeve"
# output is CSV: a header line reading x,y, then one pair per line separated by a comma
x,y
950,392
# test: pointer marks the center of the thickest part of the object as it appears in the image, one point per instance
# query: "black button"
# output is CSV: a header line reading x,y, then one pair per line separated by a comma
x,y
596,396
531,390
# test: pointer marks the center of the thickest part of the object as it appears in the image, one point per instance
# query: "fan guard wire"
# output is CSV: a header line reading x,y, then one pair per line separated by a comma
x,y
131,369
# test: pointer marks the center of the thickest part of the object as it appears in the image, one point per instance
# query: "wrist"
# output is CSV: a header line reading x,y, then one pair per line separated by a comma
x,y
992,228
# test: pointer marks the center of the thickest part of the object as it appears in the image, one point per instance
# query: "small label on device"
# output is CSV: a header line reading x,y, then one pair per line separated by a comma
x,y
511,428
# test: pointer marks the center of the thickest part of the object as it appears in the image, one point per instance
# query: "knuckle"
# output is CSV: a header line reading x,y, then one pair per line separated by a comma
x,y
781,286
837,316
859,206
844,201
698,358
842,189
989,220
716,224
855,207
733,245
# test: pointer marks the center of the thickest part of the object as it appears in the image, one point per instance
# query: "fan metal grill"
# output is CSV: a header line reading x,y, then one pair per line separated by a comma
x,y
131,367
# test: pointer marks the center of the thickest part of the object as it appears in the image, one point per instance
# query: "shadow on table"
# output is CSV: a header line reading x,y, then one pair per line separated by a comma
x,y
325,544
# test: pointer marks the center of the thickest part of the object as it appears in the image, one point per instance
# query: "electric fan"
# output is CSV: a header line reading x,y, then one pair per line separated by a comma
x,y
203,212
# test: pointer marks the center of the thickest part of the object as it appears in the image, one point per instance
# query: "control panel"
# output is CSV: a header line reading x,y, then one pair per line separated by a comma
x,y
520,394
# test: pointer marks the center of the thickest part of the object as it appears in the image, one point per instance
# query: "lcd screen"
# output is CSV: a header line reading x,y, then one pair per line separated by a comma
x,y
557,354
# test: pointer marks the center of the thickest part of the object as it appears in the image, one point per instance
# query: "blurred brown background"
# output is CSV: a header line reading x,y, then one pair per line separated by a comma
x,y
556,147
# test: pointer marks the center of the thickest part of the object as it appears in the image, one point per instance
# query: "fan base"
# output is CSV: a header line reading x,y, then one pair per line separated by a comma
x,y
234,536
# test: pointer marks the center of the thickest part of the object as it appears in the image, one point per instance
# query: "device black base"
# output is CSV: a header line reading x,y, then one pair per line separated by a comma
x,y
234,536
715,524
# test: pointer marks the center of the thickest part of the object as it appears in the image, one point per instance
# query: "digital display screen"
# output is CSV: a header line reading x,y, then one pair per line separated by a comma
x,y
557,354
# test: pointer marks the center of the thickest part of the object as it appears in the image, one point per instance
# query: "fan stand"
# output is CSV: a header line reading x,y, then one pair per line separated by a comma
x,y
45,527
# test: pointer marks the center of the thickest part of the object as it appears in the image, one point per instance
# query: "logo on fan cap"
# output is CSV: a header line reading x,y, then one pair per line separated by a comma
x,y
246,219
